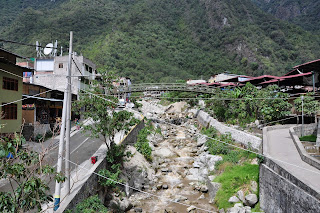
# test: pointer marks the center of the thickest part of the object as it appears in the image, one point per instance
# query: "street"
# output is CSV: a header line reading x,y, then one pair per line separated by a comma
x,y
82,147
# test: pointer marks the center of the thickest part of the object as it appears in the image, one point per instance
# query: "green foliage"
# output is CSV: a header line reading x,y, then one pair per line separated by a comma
x,y
91,205
106,121
310,138
164,41
232,180
25,170
247,104
114,159
142,144
310,105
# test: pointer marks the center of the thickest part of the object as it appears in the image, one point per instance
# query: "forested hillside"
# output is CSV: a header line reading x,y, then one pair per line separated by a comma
x,y
161,41
305,13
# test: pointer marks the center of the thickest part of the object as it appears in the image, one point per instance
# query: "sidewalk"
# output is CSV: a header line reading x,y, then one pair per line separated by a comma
x,y
281,149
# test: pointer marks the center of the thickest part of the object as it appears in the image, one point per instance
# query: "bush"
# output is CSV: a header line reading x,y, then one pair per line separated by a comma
x,y
91,205
142,144
309,138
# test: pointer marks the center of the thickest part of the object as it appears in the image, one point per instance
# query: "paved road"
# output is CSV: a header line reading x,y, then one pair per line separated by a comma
x,y
82,148
280,146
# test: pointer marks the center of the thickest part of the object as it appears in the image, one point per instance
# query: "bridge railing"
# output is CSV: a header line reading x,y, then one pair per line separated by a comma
x,y
144,87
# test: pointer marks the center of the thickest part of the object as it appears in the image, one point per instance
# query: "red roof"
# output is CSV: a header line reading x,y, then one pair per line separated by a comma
x,y
286,77
310,62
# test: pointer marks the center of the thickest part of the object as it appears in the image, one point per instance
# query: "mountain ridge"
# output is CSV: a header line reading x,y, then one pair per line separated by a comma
x,y
164,41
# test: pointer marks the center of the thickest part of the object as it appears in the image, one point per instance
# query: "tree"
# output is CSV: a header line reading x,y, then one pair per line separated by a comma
x,y
99,106
310,105
27,174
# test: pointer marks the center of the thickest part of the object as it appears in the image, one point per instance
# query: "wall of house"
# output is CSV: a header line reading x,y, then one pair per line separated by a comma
x,y
57,79
7,96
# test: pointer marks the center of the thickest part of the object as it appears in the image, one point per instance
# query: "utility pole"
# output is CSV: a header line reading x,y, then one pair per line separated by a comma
x,y
302,129
62,133
67,162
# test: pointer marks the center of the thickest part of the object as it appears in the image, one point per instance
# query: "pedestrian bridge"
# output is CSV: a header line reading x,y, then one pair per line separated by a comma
x,y
146,87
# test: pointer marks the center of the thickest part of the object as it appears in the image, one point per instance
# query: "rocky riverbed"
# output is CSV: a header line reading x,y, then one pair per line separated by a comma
x,y
179,174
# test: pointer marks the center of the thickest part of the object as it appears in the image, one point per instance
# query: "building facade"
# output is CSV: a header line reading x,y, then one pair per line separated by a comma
x,y
10,90
52,72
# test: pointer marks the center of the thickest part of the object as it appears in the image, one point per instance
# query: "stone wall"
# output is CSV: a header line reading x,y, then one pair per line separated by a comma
x,y
278,194
244,138
309,129
90,186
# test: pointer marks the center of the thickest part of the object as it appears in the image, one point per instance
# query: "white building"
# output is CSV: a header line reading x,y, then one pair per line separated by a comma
x,y
52,72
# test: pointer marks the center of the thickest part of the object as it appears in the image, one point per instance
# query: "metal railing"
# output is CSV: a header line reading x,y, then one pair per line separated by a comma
x,y
145,87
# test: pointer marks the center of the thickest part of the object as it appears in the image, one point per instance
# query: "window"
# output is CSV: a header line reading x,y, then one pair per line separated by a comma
x,y
60,65
10,84
9,111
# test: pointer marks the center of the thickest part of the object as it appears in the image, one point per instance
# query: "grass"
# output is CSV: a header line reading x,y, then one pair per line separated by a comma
x,y
232,180
310,138
235,171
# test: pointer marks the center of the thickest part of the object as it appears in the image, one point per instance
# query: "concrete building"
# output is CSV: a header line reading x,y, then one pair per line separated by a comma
x,y
51,73
10,91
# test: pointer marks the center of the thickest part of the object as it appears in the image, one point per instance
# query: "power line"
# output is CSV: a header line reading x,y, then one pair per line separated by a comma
x,y
172,201
26,98
24,44
248,150
76,66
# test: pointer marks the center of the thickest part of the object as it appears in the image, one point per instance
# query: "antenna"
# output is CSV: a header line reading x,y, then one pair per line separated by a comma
x,y
48,49
55,48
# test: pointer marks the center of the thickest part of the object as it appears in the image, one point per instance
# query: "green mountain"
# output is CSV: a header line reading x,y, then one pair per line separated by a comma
x,y
305,13
162,41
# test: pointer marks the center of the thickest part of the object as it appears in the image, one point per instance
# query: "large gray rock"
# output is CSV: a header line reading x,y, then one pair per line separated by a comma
x,y
197,174
233,199
201,140
253,186
248,209
251,199
213,188
164,153
234,210
240,195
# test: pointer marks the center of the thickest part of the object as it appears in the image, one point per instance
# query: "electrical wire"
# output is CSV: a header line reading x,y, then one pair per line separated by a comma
x,y
248,150
26,98
24,44
76,65
150,194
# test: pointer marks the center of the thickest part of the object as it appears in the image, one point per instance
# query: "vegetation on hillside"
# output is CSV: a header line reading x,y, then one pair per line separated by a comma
x,y
304,13
162,41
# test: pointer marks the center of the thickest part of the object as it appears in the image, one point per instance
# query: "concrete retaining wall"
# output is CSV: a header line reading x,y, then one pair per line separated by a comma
x,y
279,191
278,194
244,138
302,152
90,186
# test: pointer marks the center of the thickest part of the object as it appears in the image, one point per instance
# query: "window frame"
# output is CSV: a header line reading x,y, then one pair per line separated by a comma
x,y
12,109
10,84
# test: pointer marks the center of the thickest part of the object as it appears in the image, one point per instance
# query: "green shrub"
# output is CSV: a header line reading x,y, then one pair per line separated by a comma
x,y
142,144
310,138
91,205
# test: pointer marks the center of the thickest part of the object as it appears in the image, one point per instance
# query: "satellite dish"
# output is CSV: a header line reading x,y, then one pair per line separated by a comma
x,y
48,49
